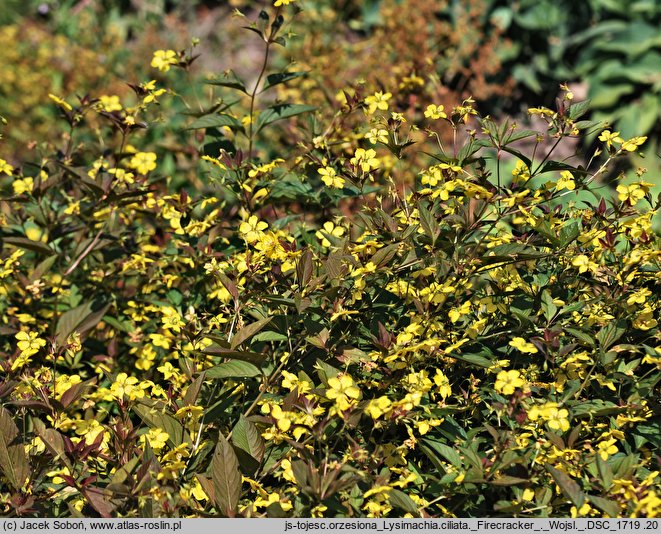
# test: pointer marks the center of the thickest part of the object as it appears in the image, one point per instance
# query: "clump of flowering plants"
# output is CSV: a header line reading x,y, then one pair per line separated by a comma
x,y
304,335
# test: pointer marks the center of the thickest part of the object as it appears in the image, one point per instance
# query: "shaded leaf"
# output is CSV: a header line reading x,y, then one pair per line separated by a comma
x,y
246,437
281,77
28,244
569,488
216,121
279,112
229,79
13,458
226,477
248,331
156,418
234,369
401,500
80,319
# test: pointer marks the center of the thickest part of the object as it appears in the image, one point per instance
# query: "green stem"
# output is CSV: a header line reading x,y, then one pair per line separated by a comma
x,y
253,97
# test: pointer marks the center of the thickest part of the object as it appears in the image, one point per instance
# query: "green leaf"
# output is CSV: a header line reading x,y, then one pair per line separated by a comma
x,y
548,307
610,333
246,437
384,255
243,355
155,417
28,244
234,369
80,319
281,77
474,359
579,109
247,332
519,155
304,268
53,441
226,477
605,472
229,79
75,392
517,135
401,500
13,458
610,508
446,452
569,488
216,121
270,336
280,111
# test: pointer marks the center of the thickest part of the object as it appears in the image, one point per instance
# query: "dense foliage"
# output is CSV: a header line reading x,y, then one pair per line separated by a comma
x,y
301,313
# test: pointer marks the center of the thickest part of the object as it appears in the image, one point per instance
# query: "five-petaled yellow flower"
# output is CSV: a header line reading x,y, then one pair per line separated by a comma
x,y
164,59
435,112
330,177
522,345
508,381
366,160
378,100
143,162
29,343
343,390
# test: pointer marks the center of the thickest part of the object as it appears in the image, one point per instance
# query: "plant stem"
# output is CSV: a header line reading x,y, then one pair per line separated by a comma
x,y
254,95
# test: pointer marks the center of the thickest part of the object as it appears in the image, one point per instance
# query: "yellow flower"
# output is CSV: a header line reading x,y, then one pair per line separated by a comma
x,y
22,186
377,407
143,162
566,181
343,390
330,177
60,102
109,103
435,112
557,419
331,229
608,137
443,384
157,438
522,345
279,3
607,448
126,386
376,135
5,168
365,159
252,229
630,193
29,343
508,381
632,144
378,100
583,263
164,59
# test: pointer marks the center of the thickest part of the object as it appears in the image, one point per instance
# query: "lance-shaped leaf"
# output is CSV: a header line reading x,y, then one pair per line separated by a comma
x,y
229,79
281,111
13,458
28,244
216,120
155,417
246,437
248,331
280,77
569,488
81,319
226,477
234,369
